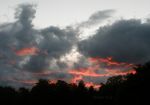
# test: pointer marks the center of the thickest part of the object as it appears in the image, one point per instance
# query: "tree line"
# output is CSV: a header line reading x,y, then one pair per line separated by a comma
x,y
118,90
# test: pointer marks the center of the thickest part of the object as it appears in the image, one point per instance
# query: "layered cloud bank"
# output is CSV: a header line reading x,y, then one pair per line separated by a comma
x,y
28,54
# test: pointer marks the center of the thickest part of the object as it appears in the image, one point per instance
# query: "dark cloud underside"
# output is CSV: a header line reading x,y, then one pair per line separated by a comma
x,y
124,40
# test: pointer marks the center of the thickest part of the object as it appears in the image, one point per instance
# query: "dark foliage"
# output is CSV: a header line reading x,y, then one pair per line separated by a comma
x,y
119,90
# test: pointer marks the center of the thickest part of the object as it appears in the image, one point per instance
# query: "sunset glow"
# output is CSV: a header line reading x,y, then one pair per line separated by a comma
x,y
109,61
27,51
112,68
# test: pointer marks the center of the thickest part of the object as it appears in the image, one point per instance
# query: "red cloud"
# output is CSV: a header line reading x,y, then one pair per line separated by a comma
x,y
27,51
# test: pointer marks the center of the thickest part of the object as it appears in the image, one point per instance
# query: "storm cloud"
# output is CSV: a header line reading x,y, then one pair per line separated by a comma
x,y
124,40
26,50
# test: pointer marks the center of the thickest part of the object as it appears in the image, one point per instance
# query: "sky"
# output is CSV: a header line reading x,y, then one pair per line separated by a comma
x,y
71,40
66,12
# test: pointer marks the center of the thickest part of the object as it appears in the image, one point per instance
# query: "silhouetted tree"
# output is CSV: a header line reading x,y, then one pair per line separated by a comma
x,y
136,89
118,90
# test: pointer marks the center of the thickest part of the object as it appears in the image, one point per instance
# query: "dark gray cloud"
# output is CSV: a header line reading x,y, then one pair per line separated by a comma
x,y
124,40
16,37
55,43
25,13
82,63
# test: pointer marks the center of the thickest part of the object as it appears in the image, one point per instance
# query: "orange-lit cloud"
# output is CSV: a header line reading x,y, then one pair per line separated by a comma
x,y
27,51
89,71
93,70
119,72
95,86
52,81
109,61
93,74
76,79
85,73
